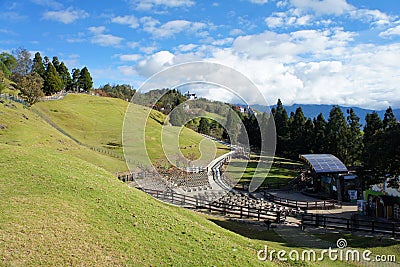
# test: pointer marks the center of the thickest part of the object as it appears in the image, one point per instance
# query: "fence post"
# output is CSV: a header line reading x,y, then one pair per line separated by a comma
x,y
241,212
172,197
258,215
373,226
393,230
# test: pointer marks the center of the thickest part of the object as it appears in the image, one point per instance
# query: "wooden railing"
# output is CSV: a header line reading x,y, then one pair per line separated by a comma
x,y
351,224
220,207
304,205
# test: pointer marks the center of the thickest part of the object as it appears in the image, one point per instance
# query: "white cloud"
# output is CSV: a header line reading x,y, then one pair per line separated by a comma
x,y
97,30
285,19
235,32
127,70
187,47
148,49
260,2
150,4
171,28
155,63
48,3
308,66
129,57
102,39
106,40
322,7
132,44
66,16
390,32
374,17
132,21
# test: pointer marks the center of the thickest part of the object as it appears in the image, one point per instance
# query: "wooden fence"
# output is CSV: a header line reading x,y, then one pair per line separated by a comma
x,y
351,224
260,214
304,205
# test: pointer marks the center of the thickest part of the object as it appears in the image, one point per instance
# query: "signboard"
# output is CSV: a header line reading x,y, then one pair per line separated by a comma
x,y
352,195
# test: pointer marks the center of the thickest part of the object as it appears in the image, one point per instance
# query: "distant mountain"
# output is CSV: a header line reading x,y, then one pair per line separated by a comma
x,y
312,111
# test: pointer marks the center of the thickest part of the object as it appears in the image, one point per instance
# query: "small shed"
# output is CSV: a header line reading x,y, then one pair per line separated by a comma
x,y
331,178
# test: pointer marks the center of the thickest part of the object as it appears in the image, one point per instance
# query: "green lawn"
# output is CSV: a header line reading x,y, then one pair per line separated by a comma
x,y
98,122
277,173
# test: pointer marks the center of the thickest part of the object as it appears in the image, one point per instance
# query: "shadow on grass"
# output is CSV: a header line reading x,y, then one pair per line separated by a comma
x,y
356,241
256,232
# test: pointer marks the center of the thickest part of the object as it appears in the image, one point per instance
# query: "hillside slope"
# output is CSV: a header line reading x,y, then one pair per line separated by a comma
x,y
98,121
58,209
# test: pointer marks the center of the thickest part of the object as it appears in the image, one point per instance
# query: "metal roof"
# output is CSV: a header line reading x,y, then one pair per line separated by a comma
x,y
324,163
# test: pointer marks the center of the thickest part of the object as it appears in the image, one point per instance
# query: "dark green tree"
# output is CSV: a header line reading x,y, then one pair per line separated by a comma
x,y
320,142
282,129
7,64
76,73
204,126
337,134
38,66
389,120
373,136
85,81
297,123
355,142
52,82
65,76
56,63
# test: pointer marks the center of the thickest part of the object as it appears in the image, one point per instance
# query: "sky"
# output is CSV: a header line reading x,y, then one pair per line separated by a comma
x,y
301,51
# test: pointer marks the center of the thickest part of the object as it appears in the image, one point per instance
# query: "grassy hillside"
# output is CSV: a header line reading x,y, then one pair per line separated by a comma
x,y
58,209
98,122
22,127
60,206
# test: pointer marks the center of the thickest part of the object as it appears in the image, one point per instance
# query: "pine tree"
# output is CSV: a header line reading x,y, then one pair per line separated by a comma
x,y
85,80
320,128
65,76
281,125
56,63
354,137
337,134
52,82
38,66
297,123
76,73
389,120
373,135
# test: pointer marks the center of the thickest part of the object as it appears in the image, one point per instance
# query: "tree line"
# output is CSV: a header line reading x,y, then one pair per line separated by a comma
x,y
374,150
39,76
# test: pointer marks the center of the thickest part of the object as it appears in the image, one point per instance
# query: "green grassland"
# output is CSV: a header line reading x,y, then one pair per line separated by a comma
x,y
243,171
98,122
62,208
60,205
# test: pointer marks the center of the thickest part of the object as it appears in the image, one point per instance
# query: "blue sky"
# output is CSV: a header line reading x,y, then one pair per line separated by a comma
x,y
302,51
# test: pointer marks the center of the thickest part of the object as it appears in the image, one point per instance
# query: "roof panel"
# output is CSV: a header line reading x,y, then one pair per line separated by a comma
x,y
324,163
